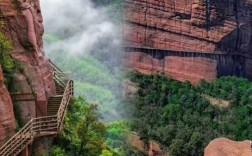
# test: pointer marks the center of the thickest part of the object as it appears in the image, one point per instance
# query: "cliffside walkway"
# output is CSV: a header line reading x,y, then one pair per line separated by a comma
x,y
43,126
161,53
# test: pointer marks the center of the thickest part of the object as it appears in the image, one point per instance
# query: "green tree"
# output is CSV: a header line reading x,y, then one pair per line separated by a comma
x,y
83,133
90,132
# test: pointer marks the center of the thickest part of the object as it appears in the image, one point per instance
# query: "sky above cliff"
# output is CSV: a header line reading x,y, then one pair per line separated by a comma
x,y
81,25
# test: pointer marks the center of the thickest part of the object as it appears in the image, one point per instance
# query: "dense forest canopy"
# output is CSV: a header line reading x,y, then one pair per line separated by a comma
x,y
182,117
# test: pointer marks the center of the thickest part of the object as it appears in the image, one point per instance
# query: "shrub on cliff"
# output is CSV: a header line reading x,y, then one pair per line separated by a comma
x,y
5,58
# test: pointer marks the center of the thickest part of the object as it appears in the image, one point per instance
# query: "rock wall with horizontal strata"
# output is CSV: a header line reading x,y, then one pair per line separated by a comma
x,y
190,26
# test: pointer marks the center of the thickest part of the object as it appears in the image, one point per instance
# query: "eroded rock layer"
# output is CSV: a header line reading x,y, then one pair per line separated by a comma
x,y
22,24
211,27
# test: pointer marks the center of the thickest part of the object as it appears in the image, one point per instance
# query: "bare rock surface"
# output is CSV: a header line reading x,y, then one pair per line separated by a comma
x,y
226,147
7,118
152,149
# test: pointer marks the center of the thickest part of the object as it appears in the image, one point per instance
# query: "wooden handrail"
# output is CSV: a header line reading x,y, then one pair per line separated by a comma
x,y
54,67
41,126
68,93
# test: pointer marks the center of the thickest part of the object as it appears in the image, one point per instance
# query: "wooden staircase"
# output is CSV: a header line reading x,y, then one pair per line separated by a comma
x,y
59,90
43,126
53,105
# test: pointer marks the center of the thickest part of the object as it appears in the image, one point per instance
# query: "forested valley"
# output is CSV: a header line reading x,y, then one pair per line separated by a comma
x,y
181,117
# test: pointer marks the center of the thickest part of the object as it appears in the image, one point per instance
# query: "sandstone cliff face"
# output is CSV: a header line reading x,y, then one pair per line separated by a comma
x,y
23,25
215,29
7,119
226,147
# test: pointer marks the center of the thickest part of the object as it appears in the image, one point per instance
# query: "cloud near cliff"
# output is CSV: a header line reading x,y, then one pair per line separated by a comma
x,y
81,25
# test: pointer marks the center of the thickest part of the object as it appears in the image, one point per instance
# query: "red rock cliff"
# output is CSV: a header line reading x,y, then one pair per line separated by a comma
x,y
189,39
7,119
23,25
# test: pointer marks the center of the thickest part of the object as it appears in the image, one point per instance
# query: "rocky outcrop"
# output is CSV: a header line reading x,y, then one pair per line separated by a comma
x,y
226,147
215,28
129,89
152,149
7,118
23,25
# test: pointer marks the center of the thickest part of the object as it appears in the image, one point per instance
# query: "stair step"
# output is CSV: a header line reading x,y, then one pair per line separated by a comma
x,y
51,114
59,101
55,108
52,111
55,100
53,105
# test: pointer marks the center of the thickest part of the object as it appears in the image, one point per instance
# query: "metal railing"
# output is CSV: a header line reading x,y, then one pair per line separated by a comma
x,y
42,126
